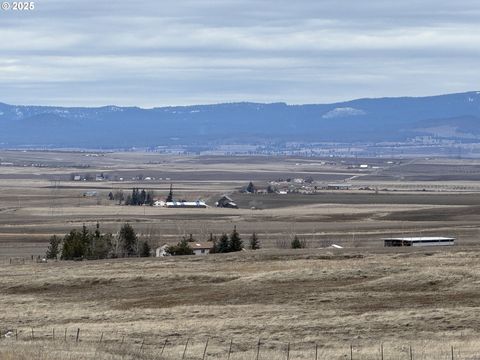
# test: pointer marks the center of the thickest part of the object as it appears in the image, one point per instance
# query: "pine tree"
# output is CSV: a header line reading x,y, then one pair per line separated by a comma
x,y
128,239
254,242
251,188
182,248
236,243
145,249
53,247
223,245
170,194
296,243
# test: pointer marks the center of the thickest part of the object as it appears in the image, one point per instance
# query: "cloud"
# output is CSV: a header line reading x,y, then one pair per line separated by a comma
x,y
152,53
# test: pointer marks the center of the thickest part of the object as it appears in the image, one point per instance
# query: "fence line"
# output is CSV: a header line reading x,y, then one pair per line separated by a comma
x,y
261,347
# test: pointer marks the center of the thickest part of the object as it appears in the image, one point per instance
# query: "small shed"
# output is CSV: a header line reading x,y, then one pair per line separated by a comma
x,y
226,202
419,241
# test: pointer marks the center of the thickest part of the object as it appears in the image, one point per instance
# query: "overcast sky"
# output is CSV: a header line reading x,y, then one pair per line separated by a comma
x,y
153,52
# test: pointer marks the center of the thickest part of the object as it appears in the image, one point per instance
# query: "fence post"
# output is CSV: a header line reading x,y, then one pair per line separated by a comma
x,y
316,351
205,350
258,349
381,350
288,351
411,353
53,334
185,350
77,339
351,352
101,338
65,334
230,348
16,334
163,347
452,352
33,336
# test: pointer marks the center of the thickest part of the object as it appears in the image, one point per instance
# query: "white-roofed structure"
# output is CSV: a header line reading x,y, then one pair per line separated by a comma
x,y
419,241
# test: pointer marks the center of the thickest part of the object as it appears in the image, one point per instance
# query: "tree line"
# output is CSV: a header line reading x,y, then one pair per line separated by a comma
x,y
92,244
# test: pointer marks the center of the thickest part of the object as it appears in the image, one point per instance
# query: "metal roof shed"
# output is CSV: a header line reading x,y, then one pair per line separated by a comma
x,y
419,241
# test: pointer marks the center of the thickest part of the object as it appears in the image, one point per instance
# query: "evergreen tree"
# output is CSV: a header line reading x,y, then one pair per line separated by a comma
x,y
145,249
143,197
128,240
74,246
170,194
236,243
251,188
182,248
254,242
296,243
53,247
223,245
149,200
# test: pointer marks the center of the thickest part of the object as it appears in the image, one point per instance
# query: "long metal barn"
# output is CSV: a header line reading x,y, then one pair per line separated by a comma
x,y
419,241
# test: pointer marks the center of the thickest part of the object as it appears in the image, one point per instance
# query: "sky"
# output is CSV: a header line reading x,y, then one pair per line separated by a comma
x,y
156,53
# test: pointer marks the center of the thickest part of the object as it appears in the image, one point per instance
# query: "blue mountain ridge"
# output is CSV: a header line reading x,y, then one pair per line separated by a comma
x,y
361,120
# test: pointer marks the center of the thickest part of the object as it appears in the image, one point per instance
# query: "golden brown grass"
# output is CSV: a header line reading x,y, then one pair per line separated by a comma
x,y
426,298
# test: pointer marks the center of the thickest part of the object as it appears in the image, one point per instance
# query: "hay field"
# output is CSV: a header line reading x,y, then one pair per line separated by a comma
x,y
427,300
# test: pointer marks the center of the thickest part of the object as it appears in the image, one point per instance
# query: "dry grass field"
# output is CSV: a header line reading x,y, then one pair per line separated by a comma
x,y
428,300
418,303
38,199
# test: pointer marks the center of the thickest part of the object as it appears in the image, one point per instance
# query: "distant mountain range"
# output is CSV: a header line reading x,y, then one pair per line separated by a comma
x,y
454,116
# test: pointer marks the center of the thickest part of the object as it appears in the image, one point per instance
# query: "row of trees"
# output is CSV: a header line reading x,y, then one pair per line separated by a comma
x,y
92,244
140,197
88,244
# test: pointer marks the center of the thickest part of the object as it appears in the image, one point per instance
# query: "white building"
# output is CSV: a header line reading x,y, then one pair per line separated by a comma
x,y
419,241
161,251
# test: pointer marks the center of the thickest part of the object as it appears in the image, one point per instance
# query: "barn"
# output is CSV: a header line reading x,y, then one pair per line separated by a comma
x,y
419,241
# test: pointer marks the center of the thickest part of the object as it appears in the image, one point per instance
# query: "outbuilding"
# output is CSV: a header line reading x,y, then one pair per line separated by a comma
x,y
419,241
201,248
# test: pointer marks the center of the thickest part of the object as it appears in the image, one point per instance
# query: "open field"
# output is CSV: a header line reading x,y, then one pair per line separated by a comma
x,y
402,197
361,296
424,298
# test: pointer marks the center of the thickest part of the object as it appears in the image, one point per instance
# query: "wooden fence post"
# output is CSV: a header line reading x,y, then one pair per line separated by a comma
x,y
381,350
411,353
185,350
316,351
258,349
288,351
452,352
163,347
205,350
77,339
33,336
53,334
65,334
230,348
351,352
16,334
101,338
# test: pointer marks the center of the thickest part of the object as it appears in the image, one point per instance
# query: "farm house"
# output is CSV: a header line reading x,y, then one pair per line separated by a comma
x,y
419,241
